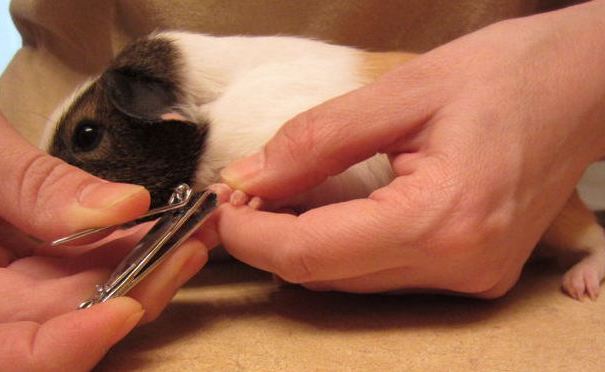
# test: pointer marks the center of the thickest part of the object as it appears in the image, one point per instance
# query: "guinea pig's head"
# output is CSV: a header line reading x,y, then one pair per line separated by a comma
x,y
130,124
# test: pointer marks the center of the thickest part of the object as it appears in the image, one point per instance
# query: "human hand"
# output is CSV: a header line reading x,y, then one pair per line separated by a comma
x,y
39,326
487,137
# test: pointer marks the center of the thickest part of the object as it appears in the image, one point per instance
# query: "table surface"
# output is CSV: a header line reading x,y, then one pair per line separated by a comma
x,y
231,317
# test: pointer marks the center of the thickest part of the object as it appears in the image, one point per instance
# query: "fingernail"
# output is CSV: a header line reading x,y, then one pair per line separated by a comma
x,y
238,172
100,195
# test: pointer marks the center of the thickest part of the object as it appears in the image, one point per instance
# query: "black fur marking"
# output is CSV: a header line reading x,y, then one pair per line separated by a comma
x,y
138,96
143,80
137,147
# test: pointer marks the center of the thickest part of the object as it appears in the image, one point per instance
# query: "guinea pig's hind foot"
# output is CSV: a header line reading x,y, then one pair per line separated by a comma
x,y
584,278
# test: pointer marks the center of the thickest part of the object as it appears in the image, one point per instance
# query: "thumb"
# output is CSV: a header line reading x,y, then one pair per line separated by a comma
x,y
333,136
75,341
45,197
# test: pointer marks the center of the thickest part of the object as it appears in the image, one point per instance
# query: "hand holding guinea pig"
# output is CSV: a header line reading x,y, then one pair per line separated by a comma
x,y
487,136
46,198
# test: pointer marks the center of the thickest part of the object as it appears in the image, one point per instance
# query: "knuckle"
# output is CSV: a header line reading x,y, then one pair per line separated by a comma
x,y
465,239
300,137
504,284
473,230
479,268
495,292
38,177
481,263
483,281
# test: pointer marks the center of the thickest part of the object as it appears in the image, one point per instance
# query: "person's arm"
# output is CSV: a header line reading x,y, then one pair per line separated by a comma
x,y
487,135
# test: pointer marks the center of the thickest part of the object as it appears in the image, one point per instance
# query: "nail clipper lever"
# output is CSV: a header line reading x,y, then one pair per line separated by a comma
x,y
171,230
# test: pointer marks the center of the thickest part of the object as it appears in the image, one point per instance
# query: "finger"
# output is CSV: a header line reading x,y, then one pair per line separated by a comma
x,y
15,241
44,287
107,256
48,198
330,138
160,286
26,299
329,243
75,341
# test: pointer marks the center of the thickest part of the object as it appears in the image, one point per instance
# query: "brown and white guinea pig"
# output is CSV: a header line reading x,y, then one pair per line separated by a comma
x,y
177,107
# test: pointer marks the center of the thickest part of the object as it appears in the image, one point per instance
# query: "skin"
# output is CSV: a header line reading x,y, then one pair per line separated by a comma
x,y
488,136
40,329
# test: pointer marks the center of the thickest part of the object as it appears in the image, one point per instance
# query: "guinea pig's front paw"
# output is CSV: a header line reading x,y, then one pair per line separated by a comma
x,y
584,278
237,198
222,191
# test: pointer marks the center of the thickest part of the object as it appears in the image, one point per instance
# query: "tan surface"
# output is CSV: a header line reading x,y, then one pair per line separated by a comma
x,y
233,318
67,40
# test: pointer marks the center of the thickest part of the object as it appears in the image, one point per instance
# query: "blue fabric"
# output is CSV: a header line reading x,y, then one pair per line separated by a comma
x,y
10,40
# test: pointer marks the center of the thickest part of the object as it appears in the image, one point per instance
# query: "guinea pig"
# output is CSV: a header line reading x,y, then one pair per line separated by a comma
x,y
177,107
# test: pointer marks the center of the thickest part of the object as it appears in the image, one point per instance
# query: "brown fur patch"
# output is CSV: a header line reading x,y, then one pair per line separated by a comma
x,y
377,64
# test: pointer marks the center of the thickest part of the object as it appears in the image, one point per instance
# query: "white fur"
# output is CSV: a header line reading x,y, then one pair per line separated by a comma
x,y
248,87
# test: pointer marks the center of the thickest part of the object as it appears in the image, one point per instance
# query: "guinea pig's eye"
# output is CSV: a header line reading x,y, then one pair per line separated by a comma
x,y
87,135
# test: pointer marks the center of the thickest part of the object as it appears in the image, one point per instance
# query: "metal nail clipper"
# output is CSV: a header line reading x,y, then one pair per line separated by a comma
x,y
185,212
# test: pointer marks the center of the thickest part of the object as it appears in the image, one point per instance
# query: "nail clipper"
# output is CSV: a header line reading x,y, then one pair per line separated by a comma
x,y
185,212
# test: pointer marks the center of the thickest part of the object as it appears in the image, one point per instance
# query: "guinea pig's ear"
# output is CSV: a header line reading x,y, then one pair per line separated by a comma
x,y
138,96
